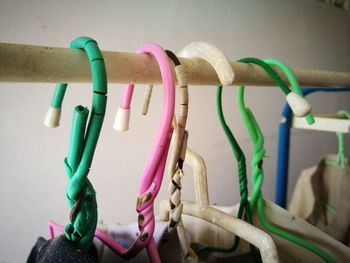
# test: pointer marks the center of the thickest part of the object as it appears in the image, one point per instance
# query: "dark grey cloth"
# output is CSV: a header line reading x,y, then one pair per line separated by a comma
x,y
60,250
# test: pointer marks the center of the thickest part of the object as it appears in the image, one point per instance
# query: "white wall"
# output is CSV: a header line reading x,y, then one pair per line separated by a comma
x,y
32,189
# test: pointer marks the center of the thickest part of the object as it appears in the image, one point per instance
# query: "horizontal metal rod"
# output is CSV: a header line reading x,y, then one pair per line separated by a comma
x,y
26,63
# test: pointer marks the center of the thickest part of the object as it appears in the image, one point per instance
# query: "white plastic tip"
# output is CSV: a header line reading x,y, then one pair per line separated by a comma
x,y
121,121
300,106
52,117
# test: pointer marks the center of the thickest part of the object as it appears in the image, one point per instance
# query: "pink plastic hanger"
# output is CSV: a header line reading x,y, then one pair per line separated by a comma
x,y
153,174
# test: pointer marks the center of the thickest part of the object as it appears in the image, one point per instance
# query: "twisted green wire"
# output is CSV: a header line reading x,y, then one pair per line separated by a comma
x,y
244,208
258,174
244,204
83,140
341,160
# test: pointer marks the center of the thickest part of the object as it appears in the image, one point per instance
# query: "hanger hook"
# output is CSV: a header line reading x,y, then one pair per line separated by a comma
x,y
98,71
154,170
83,140
257,167
299,105
304,107
213,56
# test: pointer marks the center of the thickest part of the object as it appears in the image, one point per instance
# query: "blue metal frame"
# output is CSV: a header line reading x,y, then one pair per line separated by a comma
x,y
283,146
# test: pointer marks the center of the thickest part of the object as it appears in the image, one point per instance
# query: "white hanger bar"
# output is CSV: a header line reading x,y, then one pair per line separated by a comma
x,y
324,122
40,64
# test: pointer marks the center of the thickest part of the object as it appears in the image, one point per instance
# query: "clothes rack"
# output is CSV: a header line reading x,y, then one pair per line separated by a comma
x,y
41,64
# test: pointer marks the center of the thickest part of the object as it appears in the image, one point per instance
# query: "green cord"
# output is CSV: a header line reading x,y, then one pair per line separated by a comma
x,y
340,156
244,204
258,174
84,217
279,82
83,140
341,159
244,208
292,81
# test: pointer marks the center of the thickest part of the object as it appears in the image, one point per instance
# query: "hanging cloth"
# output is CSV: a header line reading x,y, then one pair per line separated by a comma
x,y
321,196
60,250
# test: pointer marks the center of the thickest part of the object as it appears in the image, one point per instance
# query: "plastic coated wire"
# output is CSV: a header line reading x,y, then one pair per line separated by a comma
x,y
258,174
83,140
269,70
244,204
341,160
292,81
244,208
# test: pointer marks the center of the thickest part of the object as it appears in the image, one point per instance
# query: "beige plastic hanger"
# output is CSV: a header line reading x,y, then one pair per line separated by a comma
x,y
288,251
201,208
216,215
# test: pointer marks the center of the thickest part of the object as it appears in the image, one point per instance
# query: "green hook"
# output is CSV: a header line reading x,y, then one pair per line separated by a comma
x,y
292,81
244,207
83,140
257,167
297,103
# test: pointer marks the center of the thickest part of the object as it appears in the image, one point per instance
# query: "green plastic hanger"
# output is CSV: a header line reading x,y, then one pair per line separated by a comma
x,y
83,140
257,164
244,211
292,81
244,208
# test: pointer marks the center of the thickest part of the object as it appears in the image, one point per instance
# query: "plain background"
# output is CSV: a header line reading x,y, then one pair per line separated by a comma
x,y
305,34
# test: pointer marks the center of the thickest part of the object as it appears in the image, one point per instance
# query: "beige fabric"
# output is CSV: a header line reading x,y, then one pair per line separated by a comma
x,y
322,197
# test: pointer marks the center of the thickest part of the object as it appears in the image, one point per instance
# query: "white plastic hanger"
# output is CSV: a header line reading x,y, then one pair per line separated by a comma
x,y
288,251
201,208
217,215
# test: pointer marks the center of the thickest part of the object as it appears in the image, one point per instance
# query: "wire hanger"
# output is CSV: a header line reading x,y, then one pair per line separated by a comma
x,y
219,62
244,207
244,211
257,173
305,107
279,217
300,107
83,140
